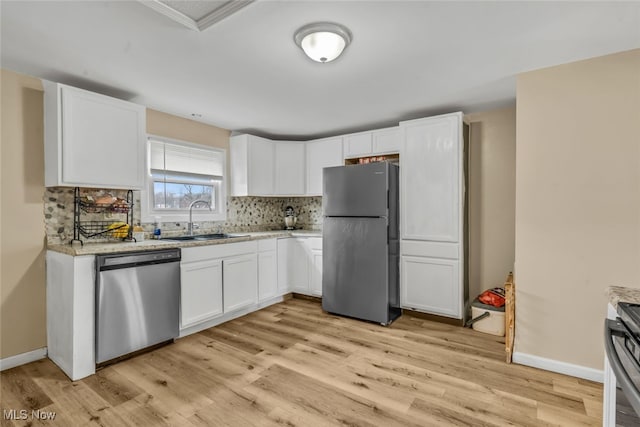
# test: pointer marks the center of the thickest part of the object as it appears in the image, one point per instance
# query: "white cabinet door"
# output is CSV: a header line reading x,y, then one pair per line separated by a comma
x,y
299,255
284,261
240,281
358,144
315,271
313,246
387,141
252,166
289,168
201,291
93,140
430,183
261,167
431,285
321,154
267,275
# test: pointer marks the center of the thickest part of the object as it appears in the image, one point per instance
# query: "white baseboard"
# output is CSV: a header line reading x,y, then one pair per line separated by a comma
x,y
559,367
24,358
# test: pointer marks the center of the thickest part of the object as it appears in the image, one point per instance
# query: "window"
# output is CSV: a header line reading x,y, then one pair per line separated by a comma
x,y
180,173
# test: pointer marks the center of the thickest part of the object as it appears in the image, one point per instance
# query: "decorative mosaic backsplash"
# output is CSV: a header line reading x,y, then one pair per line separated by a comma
x,y
243,214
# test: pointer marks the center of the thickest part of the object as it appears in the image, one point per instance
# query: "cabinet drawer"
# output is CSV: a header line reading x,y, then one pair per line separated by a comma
x,y
221,250
267,245
430,249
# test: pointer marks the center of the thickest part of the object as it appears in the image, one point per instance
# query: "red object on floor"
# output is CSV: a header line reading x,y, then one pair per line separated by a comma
x,y
494,297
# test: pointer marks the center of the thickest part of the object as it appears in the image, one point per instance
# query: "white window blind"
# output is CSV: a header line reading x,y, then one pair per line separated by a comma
x,y
179,173
180,159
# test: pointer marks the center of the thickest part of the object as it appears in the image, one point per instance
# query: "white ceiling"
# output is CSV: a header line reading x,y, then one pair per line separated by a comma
x,y
407,59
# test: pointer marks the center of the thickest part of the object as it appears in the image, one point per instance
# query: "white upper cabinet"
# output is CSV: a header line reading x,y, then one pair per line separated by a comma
x,y
321,153
381,141
387,141
289,168
92,140
252,166
431,205
358,144
261,167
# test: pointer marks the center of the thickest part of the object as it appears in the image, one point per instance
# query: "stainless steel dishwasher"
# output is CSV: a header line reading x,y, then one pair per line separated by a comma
x,y
137,301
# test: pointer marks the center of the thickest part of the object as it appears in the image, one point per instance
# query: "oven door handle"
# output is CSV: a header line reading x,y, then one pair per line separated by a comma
x,y
611,328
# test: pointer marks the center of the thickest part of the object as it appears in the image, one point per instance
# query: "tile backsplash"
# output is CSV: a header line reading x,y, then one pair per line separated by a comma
x,y
243,214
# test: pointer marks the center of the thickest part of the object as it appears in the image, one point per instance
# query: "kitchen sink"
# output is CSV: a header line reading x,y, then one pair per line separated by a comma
x,y
198,237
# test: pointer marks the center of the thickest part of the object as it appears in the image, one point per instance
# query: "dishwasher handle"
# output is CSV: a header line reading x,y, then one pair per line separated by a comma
x,y
133,259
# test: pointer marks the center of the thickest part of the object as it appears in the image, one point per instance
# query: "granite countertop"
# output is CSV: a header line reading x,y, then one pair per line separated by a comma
x,y
110,247
622,294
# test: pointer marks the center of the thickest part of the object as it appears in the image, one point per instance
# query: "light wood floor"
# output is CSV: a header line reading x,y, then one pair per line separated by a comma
x,y
291,364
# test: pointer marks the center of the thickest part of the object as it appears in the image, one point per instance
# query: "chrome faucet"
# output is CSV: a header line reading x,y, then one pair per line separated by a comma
x,y
190,225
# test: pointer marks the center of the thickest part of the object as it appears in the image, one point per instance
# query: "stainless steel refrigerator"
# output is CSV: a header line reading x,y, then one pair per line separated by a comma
x,y
360,245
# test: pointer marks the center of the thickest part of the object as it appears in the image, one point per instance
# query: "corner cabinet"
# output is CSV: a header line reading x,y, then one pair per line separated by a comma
x,y
321,153
289,168
92,140
261,167
252,166
432,192
300,265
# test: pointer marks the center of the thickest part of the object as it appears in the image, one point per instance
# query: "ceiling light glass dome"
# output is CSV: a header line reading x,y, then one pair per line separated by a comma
x,y
323,41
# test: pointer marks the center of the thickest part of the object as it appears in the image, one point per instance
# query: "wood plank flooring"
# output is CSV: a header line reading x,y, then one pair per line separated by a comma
x,y
292,364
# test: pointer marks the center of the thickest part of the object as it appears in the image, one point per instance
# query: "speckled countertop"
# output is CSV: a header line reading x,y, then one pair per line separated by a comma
x,y
104,248
622,294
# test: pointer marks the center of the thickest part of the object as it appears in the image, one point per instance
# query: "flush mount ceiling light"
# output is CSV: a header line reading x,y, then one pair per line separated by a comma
x,y
323,41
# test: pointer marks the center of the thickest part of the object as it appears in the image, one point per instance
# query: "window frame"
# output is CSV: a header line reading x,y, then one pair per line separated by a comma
x,y
147,211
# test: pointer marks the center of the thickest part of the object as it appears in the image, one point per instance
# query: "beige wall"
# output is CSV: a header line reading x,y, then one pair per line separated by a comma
x,y
169,126
492,198
577,202
22,233
22,287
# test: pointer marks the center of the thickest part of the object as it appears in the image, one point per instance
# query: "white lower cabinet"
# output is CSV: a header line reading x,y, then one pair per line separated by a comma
x,y
215,281
431,285
283,250
315,271
267,269
201,291
300,265
240,281
219,282
71,303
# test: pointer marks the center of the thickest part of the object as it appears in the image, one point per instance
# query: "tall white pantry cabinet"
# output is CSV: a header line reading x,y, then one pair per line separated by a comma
x,y
432,200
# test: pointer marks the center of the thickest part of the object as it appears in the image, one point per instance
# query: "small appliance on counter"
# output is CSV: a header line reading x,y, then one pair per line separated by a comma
x,y
290,218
